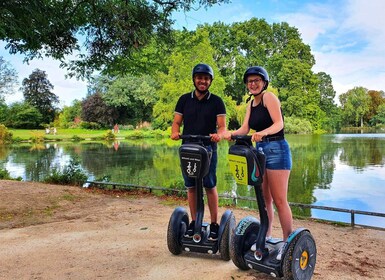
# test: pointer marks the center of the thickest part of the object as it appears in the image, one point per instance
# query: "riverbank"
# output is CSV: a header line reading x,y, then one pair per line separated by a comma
x,y
63,232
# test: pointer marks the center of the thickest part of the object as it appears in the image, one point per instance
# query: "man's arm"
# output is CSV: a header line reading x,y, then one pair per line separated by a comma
x,y
176,124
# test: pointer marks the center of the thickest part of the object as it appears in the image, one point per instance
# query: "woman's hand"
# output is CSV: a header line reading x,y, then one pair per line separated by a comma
x,y
227,135
257,136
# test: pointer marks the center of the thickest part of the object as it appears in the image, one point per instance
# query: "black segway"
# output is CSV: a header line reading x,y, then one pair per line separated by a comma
x,y
299,255
195,163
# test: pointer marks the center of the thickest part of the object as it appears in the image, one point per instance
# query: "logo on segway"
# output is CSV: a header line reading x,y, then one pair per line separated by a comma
x,y
191,164
238,166
191,171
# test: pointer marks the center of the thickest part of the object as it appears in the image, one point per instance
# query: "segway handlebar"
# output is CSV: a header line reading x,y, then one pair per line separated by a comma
x,y
195,137
241,137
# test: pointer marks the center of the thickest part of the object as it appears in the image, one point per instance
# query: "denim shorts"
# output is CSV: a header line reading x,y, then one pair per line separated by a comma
x,y
210,180
278,155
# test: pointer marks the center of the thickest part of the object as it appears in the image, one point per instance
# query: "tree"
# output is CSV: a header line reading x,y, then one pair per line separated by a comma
x,y
8,78
377,98
23,115
37,92
133,97
355,104
379,118
70,115
178,79
95,110
112,30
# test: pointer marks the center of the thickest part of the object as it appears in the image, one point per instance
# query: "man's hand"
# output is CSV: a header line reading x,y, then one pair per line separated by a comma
x,y
215,137
175,136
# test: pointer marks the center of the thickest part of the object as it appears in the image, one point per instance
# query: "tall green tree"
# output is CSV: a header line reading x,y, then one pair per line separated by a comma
x,y
178,79
37,90
355,104
133,98
8,78
111,30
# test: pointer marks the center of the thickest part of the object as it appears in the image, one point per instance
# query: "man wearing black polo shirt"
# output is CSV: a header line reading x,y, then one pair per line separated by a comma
x,y
202,113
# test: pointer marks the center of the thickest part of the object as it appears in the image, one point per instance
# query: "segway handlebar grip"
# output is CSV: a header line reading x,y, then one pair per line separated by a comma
x,y
195,137
241,137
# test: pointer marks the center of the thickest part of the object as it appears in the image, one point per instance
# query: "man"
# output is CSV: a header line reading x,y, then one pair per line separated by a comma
x,y
202,113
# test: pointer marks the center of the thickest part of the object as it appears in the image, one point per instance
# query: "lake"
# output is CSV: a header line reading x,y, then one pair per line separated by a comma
x,y
336,170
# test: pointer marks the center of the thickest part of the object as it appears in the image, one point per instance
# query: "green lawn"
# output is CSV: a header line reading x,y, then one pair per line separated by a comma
x,y
67,134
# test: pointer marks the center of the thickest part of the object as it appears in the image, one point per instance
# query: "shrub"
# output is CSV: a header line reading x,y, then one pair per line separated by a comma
x,y
5,135
72,174
109,136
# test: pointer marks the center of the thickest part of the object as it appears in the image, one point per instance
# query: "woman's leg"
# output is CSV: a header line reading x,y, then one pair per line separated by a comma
x,y
278,181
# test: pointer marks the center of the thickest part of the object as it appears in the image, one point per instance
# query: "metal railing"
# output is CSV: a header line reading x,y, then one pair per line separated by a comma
x,y
234,198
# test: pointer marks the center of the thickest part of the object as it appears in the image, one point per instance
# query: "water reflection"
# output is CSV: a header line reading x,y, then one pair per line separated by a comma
x,y
345,171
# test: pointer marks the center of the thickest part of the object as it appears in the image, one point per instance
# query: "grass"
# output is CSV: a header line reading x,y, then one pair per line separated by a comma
x,y
87,134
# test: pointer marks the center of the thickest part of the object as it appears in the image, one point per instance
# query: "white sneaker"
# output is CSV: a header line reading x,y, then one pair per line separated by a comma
x,y
254,246
280,251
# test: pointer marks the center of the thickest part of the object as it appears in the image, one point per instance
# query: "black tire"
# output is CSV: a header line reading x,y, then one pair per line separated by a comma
x,y
176,229
242,238
224,246
300,258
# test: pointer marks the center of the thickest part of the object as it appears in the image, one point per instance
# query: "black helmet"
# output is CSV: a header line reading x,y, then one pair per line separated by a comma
x,y
203,69
257,70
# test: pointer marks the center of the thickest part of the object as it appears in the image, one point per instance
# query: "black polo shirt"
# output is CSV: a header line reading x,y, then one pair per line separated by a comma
x,y
200,116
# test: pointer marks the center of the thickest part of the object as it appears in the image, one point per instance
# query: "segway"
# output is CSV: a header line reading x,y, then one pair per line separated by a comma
x,y
299,255
195,163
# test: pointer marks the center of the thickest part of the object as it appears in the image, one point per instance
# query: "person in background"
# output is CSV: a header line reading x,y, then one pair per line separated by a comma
x,y
202,113
264,115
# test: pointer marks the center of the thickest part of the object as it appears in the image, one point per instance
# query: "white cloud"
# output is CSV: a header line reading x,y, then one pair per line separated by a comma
x,y
347,41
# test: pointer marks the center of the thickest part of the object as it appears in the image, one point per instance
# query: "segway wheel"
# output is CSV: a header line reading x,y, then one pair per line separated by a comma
x,y
242,239
176,229
224,247
300,258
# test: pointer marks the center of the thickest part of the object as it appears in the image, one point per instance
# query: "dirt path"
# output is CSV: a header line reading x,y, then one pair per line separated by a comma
x,y
61,232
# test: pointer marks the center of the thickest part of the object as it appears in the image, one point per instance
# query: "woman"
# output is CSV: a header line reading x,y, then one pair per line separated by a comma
x,y
264,115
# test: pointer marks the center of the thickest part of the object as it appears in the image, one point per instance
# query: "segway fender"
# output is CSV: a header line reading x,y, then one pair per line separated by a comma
x,y
176,228
225,217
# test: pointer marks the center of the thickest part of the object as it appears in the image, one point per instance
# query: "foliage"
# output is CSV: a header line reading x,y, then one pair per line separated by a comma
x,y
95,110
109,136
377,98
5,135
37,92
4,175
70,114
355,104
132,97
295,125
23,115
8,78
379,118
72,174
37,137
112,30
178,80
76,138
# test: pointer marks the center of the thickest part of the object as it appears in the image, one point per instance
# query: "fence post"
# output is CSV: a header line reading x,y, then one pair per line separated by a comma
x,y
352,218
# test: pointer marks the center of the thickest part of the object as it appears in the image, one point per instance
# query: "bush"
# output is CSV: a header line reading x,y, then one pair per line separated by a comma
x,y
5,135
295,125
72,174
90,125
109,136
4,175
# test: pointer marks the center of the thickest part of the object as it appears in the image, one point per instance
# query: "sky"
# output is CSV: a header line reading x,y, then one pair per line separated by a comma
x,y
346,37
